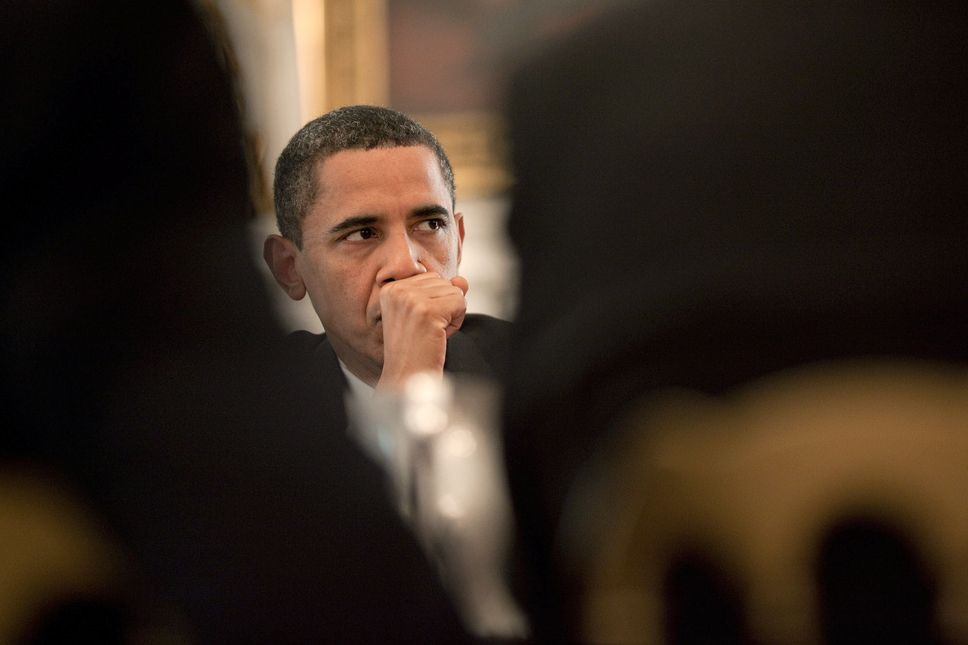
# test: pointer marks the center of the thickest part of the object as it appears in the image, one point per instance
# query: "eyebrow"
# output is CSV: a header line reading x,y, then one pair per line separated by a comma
x,y
354,222
430,209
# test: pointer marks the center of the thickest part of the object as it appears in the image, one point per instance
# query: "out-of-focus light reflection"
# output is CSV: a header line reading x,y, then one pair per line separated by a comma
x,y
426,418
443,460
458,443
449,507
427,399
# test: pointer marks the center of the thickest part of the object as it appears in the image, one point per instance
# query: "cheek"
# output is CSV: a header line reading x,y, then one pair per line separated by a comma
x,y
445,254
342,289
350,293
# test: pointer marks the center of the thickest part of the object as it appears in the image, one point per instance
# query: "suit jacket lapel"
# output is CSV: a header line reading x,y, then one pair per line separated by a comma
x,y
332,382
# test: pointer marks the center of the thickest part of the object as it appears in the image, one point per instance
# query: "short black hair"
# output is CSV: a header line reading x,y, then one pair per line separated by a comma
x,y
355,127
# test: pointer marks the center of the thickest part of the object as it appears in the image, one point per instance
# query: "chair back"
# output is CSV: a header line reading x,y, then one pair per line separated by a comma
x,y
826,503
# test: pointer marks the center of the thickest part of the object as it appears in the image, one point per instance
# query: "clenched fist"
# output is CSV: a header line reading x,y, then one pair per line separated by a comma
x,y
418,314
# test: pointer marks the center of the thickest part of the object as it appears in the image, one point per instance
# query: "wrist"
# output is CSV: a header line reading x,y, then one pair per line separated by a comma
x,y
395,379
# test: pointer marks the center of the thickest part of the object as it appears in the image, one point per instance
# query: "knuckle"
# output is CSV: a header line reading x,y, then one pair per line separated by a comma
x,y
420,309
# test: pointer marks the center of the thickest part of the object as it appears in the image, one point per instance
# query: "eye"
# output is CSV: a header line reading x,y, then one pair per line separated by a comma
x,y
434,224
364,233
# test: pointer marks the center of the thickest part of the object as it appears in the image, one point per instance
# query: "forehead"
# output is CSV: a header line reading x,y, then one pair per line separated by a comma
x,y
380,174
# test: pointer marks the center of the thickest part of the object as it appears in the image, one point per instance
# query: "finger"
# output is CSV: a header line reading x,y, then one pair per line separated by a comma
x,y
418,278
442,290
461,283
425,291
455,324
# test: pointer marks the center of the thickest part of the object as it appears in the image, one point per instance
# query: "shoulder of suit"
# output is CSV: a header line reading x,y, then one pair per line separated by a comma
x,y
492,338
305,339
486,322
483,326
304,344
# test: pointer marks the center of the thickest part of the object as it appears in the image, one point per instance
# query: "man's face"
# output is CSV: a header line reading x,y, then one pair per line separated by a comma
x,y
380,215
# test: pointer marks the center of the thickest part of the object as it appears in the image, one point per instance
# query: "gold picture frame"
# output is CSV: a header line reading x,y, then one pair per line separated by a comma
x,y
343,53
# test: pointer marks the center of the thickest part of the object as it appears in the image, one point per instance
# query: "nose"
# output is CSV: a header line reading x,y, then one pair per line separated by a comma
x,y
401,260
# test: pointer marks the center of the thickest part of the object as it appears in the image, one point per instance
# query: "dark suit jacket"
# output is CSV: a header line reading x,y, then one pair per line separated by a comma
x,y
376,556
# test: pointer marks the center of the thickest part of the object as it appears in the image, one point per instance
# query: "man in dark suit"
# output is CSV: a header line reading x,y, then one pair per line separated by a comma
x,y
365,203
709,192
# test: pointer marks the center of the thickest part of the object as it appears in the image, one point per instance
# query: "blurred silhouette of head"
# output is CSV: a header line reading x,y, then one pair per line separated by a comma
x,y
706,194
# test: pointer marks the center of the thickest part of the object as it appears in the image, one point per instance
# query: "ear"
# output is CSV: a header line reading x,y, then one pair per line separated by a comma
x,y
459,218
280,254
